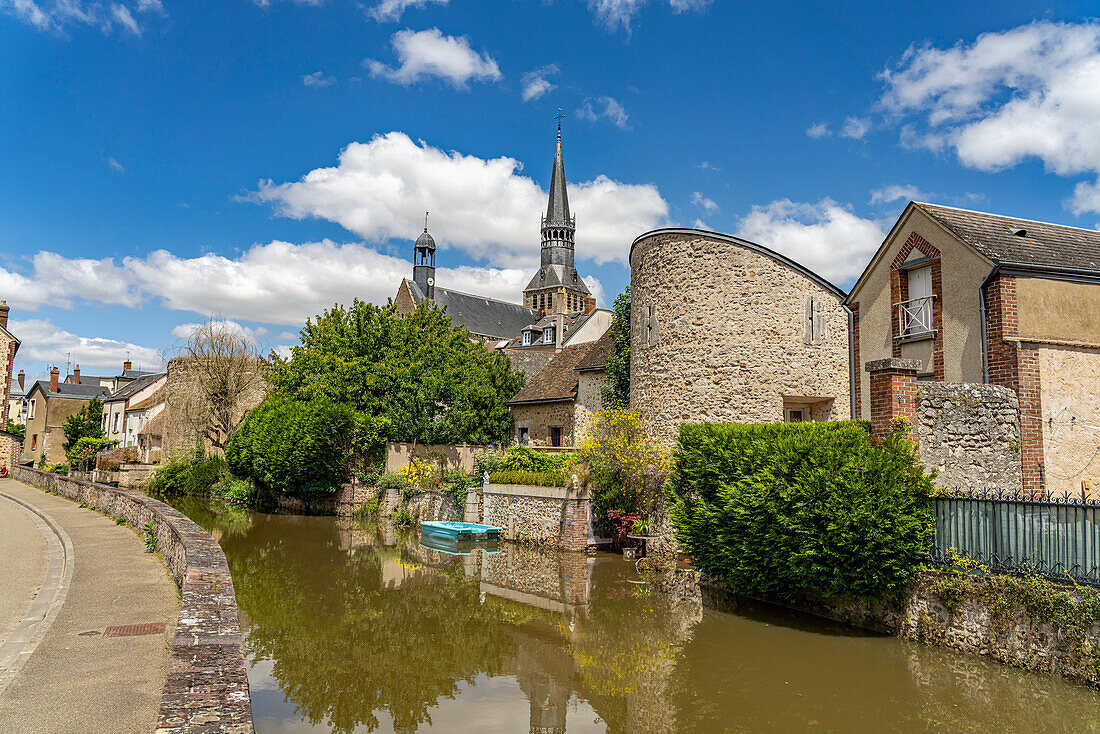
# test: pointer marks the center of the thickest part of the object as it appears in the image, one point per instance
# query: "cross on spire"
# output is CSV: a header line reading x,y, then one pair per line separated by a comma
x,y
425,221
559,117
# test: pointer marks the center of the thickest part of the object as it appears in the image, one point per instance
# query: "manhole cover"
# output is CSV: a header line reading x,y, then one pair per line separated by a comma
x,y
132,630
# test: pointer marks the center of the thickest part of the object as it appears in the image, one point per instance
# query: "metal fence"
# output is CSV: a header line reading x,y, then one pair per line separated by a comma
x,y
1057,536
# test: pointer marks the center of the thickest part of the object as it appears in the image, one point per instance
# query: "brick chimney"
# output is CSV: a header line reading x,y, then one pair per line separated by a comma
x,y
127,366
589,303
4,308
894,397
22,379
53,379
76,375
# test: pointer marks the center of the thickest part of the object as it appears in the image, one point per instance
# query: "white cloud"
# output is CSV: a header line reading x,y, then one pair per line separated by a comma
x,y
1028,92
115,164
825,236
855,127
59,15
707,166
122,16
893,192
429,53
698,199
392,10
618,14
595,108
819,130
318,79
380,189
42,341
535,84
183,332
274,283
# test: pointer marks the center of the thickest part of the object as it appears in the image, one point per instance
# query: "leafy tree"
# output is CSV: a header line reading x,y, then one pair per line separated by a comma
x,y
84,451
430,381
300,448
85,423
16,429
616,394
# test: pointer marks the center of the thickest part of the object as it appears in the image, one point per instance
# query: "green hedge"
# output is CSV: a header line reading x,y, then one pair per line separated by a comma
x,y
783,508
293,447
531,478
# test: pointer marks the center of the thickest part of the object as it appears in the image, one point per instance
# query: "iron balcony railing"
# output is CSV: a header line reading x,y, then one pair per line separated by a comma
x,y
915,316
1056,536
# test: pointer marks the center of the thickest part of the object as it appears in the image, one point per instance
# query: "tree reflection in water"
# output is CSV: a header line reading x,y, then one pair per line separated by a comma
x,y
359,623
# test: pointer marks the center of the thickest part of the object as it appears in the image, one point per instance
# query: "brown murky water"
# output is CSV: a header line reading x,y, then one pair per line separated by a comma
x,y
352,628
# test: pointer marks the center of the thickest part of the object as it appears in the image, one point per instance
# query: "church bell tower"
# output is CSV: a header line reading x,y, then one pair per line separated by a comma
x,y
424,262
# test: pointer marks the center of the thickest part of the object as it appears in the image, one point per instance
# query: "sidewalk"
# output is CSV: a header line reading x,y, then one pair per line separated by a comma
x,y
77,679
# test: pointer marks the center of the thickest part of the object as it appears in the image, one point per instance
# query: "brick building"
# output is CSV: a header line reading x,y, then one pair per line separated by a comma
x,y
10,444
958,296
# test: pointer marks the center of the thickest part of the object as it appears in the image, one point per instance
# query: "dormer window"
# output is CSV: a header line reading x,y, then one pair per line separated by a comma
x,y
548,335
526,338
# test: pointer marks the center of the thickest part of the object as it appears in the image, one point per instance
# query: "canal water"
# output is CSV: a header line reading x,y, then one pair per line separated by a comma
x,y
354,628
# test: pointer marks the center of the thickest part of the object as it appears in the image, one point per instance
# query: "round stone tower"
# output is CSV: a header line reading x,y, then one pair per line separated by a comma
x,y
724,330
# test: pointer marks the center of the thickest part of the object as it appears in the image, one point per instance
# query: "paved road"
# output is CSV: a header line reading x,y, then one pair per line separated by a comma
x,y
73,573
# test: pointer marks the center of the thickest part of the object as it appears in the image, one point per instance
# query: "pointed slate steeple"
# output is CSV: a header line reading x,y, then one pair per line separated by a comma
x,y
556,286
557,210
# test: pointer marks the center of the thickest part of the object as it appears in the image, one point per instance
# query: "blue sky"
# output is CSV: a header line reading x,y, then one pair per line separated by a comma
x,y
258,161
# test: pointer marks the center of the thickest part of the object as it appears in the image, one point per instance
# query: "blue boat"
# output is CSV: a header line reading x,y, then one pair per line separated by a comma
x,y
459,531
453,547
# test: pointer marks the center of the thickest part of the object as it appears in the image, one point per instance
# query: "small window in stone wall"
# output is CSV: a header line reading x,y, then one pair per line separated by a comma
x,y
814,325
651,332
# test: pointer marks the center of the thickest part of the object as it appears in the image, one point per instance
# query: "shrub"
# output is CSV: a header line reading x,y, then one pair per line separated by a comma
x,y
235,491
391,480
419,474
530,478
625,467
112,459
83,452
402,518
525,458
296,448
58,468
779,509
196,476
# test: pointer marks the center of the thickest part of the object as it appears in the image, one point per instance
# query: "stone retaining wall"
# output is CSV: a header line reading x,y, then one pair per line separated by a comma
x,y
975,625
428,505
970,434
559,517
207,689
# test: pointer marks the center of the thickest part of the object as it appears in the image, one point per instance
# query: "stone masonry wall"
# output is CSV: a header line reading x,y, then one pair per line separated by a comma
x,y
720,334
206,691
970,434
552,516
539,417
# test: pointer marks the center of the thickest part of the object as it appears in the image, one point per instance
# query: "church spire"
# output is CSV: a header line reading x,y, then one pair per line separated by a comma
x,y
557,209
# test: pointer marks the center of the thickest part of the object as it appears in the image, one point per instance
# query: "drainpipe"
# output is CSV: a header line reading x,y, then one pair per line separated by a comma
x,y
853,369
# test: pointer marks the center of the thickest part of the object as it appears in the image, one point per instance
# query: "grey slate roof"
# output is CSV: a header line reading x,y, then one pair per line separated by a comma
x,y
552,275
128,390
482,316
69,390
1042,244
528,361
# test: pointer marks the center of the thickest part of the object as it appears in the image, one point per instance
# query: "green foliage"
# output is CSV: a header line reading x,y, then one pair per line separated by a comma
x,y
16,429
525,458
616,394
402,518
301,449
626,468
530,478
391,480
429,380
196,476
487,461
59,468
784,508
84,451
235,491
456,484
149,530
85,423
370,508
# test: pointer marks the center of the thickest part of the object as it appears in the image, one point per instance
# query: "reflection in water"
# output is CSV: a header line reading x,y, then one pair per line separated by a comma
x,y
353,628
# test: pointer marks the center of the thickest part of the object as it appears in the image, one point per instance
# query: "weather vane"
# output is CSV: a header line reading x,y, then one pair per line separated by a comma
x,y
559,117
425,221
